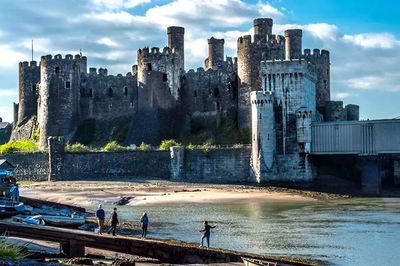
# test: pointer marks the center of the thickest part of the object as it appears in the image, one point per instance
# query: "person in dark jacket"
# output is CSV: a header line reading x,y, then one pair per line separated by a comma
x,y
101,216
114,222
207,233
144,221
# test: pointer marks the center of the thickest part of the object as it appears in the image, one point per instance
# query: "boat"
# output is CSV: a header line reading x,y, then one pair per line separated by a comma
x,y
63,221
257,262
9,208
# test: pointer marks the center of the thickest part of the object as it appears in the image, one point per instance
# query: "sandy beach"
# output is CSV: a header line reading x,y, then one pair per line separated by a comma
x,y
154,193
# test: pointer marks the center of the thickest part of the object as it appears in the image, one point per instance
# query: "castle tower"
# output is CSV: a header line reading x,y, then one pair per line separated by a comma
x,y
303,129
176,41
215,53
265,46
59,96
293,43
29,76
262,28
170,61
263,133
321,61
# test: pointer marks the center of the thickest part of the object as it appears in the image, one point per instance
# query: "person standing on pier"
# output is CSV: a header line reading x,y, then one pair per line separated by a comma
x,y
114,222
101,216
207,232
144,221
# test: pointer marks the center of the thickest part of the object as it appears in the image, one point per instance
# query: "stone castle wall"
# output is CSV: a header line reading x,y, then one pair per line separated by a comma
x,y
217,165
30,166
105,96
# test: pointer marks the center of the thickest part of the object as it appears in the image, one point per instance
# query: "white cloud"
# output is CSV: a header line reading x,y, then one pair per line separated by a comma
x,y
385,81
6,113
8,92
373,40
10,57
266,10
107,42
322,31
118,4
341,95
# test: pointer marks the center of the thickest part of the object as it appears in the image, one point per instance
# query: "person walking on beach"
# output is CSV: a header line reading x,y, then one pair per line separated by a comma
x,y
144,221
101,216
114,222
206,231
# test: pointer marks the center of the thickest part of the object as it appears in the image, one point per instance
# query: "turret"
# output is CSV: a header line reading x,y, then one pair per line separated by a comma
x,y
262,28
176,41
59,96
293,43
29,76
263,134
215,53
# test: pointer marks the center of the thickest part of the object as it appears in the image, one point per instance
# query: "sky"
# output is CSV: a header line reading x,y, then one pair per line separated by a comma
x,y
363,37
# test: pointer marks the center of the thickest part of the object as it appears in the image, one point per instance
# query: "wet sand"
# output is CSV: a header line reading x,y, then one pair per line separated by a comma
x,y
154,193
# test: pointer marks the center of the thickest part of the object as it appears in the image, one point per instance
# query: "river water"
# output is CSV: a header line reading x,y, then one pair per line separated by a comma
x,y
340,232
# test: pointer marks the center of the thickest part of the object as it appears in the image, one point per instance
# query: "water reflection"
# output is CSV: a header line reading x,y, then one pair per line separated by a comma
x,y
342,232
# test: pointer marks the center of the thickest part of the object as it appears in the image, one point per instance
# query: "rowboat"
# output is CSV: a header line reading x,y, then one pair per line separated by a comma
x,y
9,208
254,262
63,221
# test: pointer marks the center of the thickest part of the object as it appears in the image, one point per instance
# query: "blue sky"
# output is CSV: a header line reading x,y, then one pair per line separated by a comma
x,y
362,36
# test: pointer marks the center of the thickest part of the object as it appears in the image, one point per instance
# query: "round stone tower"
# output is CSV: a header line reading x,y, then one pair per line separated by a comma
x,y
246,80
176,41
293,43
215,53
29,76
262,28
58,98
263,134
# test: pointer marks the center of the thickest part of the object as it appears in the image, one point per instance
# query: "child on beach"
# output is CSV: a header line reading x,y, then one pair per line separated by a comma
x,y
144,221
207,232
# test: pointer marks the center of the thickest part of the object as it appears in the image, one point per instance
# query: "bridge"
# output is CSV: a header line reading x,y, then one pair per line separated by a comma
x,y
371,141
73,243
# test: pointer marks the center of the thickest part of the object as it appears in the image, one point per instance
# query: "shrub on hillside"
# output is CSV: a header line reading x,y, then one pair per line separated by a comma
x,y
144,147
18,146
76,147
114,146
168,143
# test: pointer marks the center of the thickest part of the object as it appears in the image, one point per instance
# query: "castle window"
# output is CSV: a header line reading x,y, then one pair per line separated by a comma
x,y
131,104
33,87
57,70
68,84
149,67
215,92
164,77
90,92
126,91
218,106
110,92
195,93
325,84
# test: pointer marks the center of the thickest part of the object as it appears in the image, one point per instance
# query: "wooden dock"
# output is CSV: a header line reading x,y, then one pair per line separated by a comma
x,y
73,243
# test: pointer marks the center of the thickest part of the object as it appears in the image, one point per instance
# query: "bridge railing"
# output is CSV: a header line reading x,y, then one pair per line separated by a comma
x,y
367,137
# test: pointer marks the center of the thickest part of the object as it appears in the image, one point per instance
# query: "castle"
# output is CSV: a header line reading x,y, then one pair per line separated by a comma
x,y
274,88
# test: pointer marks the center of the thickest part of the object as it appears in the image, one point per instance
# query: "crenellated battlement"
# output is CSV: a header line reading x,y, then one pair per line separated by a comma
x,y
316,53
67,57
104,72
261,98
271,41
26,64
155,51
